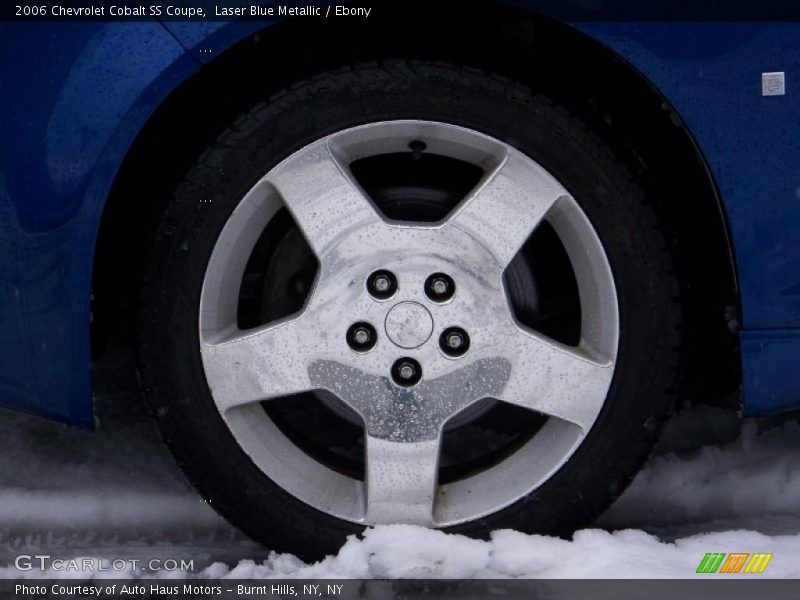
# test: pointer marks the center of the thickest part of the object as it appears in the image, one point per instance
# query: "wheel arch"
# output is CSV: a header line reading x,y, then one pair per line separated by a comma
x,y
588,79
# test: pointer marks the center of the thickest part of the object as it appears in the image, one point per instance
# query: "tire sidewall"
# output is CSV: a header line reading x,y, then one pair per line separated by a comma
x,y
171,365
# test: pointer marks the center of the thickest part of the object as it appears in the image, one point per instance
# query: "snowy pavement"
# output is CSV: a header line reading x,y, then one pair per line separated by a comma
x,y
115,493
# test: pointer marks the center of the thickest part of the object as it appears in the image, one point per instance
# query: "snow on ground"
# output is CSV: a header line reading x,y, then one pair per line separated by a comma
x,y
406,551
115,493
752,482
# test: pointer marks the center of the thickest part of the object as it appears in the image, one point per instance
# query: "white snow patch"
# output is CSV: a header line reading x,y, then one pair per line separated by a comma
x,y
749,482
395,551
405,551
115,493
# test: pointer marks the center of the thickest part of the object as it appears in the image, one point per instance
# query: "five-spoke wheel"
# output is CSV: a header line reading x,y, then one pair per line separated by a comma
x,y
409,324
409,293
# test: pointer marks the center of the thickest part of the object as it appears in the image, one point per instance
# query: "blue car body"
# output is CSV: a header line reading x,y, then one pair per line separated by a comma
x,y
74,96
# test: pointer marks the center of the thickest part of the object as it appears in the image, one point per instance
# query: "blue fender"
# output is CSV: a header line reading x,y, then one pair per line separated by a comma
x,y
72,111
71,125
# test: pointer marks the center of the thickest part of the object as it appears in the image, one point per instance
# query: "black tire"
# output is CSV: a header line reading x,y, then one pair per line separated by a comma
x,y
641,393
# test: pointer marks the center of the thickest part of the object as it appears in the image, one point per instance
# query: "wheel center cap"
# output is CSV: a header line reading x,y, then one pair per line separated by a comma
x,y
409,324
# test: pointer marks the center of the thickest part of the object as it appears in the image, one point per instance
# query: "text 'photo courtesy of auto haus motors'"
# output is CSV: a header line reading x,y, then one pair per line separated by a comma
x,y
179,590
400,304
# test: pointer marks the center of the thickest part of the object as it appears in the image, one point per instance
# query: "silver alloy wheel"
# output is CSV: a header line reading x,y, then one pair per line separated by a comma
x,y
403,424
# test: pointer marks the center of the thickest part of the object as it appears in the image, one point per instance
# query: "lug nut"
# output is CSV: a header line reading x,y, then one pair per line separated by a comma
x,y
406,372
454,342
361,337
382,284
440,287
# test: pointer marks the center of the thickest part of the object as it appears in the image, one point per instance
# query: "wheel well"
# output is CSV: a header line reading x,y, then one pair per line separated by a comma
x,y
583,76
